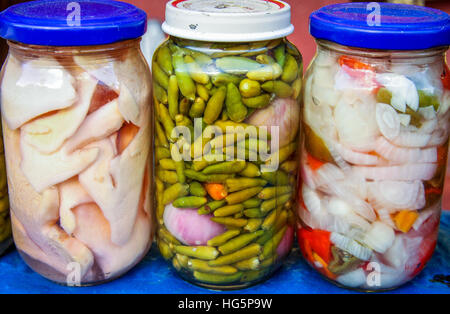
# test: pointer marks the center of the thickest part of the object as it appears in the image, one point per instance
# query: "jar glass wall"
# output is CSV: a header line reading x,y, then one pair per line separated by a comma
x,y
373,164
5,221
227,126
77,133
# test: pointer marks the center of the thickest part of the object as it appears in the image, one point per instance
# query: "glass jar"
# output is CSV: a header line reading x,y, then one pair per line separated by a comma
x,y
227,111
374,155
5,221
77,133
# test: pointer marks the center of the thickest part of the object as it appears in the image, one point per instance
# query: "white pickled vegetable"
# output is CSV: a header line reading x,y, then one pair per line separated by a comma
x,y
404,92
344,211
353,279
380,237
351,246
412,139
402,155
397,195
428,113
405,119
311,199
356,124
388,121
408,172
354,157
401,251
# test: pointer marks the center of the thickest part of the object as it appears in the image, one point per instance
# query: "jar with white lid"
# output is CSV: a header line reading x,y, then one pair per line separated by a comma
x,y
227,90
77,130
376,125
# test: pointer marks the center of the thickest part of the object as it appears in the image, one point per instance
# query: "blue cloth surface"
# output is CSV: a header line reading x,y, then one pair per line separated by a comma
x,y
154,276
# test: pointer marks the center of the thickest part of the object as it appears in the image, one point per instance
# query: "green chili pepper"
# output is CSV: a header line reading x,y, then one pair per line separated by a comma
x,y
242,196
197,189
290,69
230,222
164,59
236,110
271,246
266,73
217,279
239,184
229,210
185,82
276,178
203,266
224,237
196,71
271,192
243,254
211,207
160,93
165,250
228,167
251,171
166,121
258,102
190,202
237,65
279,88
201,252
162,153
167,164
223,79
160,135
239,242
267,206
197,108
249,88
265,59
167,176
252,203
280,55
215,105
253,224
203,92
160,76
173,96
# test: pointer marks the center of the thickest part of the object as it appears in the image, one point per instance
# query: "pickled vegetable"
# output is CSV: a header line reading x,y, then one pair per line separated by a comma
x,y
220,205
371,150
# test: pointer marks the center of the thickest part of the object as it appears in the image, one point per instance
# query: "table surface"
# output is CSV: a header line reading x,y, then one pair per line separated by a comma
x,y
154,276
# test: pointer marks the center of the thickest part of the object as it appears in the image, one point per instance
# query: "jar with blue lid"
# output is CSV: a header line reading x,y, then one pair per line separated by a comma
x,y
374,153
75,98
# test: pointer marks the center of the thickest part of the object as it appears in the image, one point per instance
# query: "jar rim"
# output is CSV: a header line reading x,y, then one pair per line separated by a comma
x,y
381,53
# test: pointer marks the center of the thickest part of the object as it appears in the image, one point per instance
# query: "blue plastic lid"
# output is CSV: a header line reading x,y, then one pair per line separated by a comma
x,y
72,23
396,27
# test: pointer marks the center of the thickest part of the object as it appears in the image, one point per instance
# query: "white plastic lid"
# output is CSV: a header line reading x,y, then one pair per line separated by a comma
x,y
228,20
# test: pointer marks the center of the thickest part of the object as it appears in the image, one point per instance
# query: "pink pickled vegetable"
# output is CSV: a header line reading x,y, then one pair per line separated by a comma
x,y
282,112
285,245
189,227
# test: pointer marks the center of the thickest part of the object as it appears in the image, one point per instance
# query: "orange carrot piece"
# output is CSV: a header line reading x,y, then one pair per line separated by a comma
x,y
405,219
325,269
125,136
354,63
314,163
217,191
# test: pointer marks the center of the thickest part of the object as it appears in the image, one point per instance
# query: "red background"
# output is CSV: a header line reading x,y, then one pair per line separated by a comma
x,y
301,9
